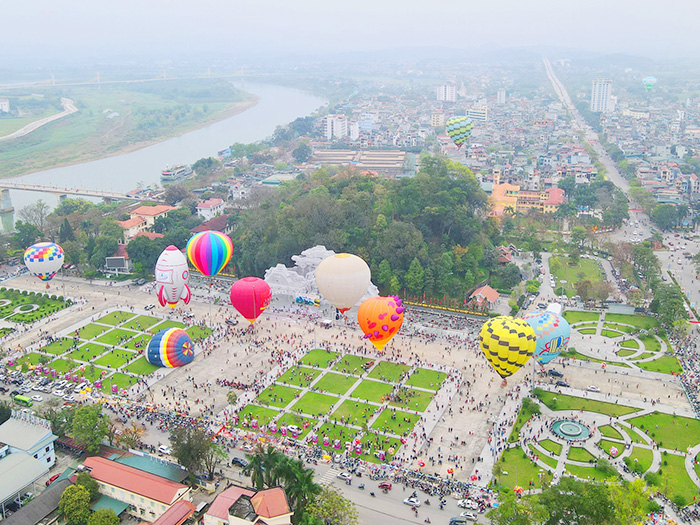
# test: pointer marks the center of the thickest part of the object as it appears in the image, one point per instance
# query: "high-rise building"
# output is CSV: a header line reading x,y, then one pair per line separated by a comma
x,y
478,113
501,97
335,127
600,96
447,93
437,119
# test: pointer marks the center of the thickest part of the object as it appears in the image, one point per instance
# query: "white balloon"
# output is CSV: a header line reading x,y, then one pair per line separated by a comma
x,y
343,279
44,259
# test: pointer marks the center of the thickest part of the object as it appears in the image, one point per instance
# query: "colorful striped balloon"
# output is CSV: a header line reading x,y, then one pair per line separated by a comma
x,y
209,251
459,129
44,259
170,348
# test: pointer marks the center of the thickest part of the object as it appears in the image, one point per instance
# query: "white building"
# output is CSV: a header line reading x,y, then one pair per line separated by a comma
x,y
437,119
501,96
26,434
478,113
600,96
4,105
335,127
354,130
210,208
446,93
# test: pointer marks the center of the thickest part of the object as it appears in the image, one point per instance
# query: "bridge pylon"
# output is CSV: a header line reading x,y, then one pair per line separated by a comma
x,y
5,202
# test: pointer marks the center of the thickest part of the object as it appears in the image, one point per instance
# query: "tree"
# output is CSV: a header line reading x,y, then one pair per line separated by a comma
x,y
302,153
195,450
385,274
415,277
175,193
574,501
89,427
74,505
206,166
515,511
665,216
35,214
262,467
602,290
103,517
231,397
329,507
25,235
145,251
66,231
5,412
61,419
131,435
631,501
669,303
583,289
85,480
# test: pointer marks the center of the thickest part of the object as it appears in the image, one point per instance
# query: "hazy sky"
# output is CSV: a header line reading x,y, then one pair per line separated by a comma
x,y
102,29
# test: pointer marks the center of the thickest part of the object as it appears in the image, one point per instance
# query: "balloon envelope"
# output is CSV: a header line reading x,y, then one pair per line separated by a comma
x,y
552,332
649,82
172,277
44,259
209,251
507,343
250,296
170,348
343,279
459,129
380,318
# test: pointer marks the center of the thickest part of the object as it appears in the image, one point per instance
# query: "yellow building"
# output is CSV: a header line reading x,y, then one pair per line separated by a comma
x,y
507,199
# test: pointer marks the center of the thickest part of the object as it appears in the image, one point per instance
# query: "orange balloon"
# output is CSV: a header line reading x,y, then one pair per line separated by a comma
x,y
380,318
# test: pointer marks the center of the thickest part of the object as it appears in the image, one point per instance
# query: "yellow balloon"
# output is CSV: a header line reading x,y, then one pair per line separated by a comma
x,y
507,344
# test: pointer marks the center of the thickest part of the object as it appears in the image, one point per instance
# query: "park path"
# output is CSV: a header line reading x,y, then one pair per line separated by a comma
x,y
68,109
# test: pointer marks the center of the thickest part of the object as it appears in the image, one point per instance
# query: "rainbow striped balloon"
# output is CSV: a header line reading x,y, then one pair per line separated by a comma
x,y
170,348
44,259
209,251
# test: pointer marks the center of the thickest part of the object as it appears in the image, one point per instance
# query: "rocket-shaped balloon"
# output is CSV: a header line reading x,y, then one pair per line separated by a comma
x,y
172,276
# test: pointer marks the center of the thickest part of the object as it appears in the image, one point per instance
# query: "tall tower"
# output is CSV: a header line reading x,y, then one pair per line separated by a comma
x,y
600,95
501,96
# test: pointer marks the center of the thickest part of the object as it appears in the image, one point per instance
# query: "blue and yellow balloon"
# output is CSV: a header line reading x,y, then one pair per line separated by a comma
x,y
552,332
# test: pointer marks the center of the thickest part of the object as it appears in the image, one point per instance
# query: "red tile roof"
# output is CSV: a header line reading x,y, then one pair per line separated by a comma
x,y
150,235
151,211
130,223
215,224
270,503
219,507
210,203
486,292
134,480
177,514
556,196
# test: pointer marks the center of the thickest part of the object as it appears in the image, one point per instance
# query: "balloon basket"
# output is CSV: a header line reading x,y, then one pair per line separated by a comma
x,y
505,382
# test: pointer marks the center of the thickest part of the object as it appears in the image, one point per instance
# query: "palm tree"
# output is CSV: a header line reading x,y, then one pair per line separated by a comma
x,y
255,470
298,482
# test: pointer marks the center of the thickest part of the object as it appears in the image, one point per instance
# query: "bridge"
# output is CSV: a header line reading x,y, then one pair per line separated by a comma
x,y
63,192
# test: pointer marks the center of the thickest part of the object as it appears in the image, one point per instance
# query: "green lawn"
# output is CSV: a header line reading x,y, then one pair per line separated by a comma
x,y
549,461
587,331
412,399
580,454
354,412
199,333
560,268
295,419
371,391
640,321
167,324
588,473
92,330
577,316
63,365
606,445
115,359
141,323
335,431
123,381
390,372
572,353
669,431
252,412
550,446
374,442
620,328
116,337
9,125
319,358
87,352
610,432
115,318
523,417
518,469
566,402
91,373
31,359
629,343
625,353
140,342
426,378
141,367
610,333
395,422
675,475
635,436
277,395
351,364
644,355
650,342
587,325
314,404
58,347
335,383
299,376
644,458
667,364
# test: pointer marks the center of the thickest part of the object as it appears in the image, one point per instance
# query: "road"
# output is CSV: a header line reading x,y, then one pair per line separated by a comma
x,y
68,109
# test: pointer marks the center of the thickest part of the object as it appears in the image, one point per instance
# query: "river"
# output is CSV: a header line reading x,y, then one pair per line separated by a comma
x,y
276,106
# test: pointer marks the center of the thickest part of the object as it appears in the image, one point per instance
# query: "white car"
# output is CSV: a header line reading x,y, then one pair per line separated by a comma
x,y
469,515
593,388
164,449
294,429
467,504
344,476
37,397
69,397
59,393
413,502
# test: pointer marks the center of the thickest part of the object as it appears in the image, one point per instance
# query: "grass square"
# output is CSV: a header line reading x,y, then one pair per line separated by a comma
x,y
580,454
58,347
199,333
397,422
650,342
91,331
116,337
335,431
300,421
426,378
335,383
373,391
556,401
251,412
123,381
299,376
577,316
140,342
412,399
87,352
314,404
115,318
91,373
373,443
167,324
63,365
354,412
640,321
669,431
277,395
352,364
319,358
31,359
141,367
518,469
141,323
611,432
115,359
605,445
390,372
667,364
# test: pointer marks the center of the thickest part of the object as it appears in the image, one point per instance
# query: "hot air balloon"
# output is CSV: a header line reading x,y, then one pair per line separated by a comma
x,y
459,129
172,276
649,82
507,344
343,279
170,348
380,318
44,259
552,332
250,296
209,251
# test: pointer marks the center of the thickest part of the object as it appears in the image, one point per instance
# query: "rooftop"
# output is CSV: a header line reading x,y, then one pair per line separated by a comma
x,y
176,514
41,506
210,203
486,292
150,235
17,471
152,211
25,435
130,223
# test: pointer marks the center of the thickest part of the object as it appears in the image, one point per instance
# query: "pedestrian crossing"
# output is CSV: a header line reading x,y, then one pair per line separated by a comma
x,y
329,475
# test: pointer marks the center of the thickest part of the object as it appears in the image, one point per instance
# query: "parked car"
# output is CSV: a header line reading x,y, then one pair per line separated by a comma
x,y
467,504
593,388
469,515
562,383
149,307
52,479
164,449
554,372
37,397
239,462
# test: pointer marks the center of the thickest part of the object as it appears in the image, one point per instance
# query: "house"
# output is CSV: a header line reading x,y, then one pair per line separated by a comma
x,y
151,213
18,474
241,506
146,496
119,262
132,227
150,235
219,224
177,514
26,434
485,296
210,208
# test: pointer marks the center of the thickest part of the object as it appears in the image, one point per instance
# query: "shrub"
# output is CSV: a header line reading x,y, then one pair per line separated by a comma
x,y
680,500
653,478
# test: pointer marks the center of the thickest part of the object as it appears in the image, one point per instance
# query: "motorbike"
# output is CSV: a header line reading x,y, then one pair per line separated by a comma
x,y
361,486
372,494
427,502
